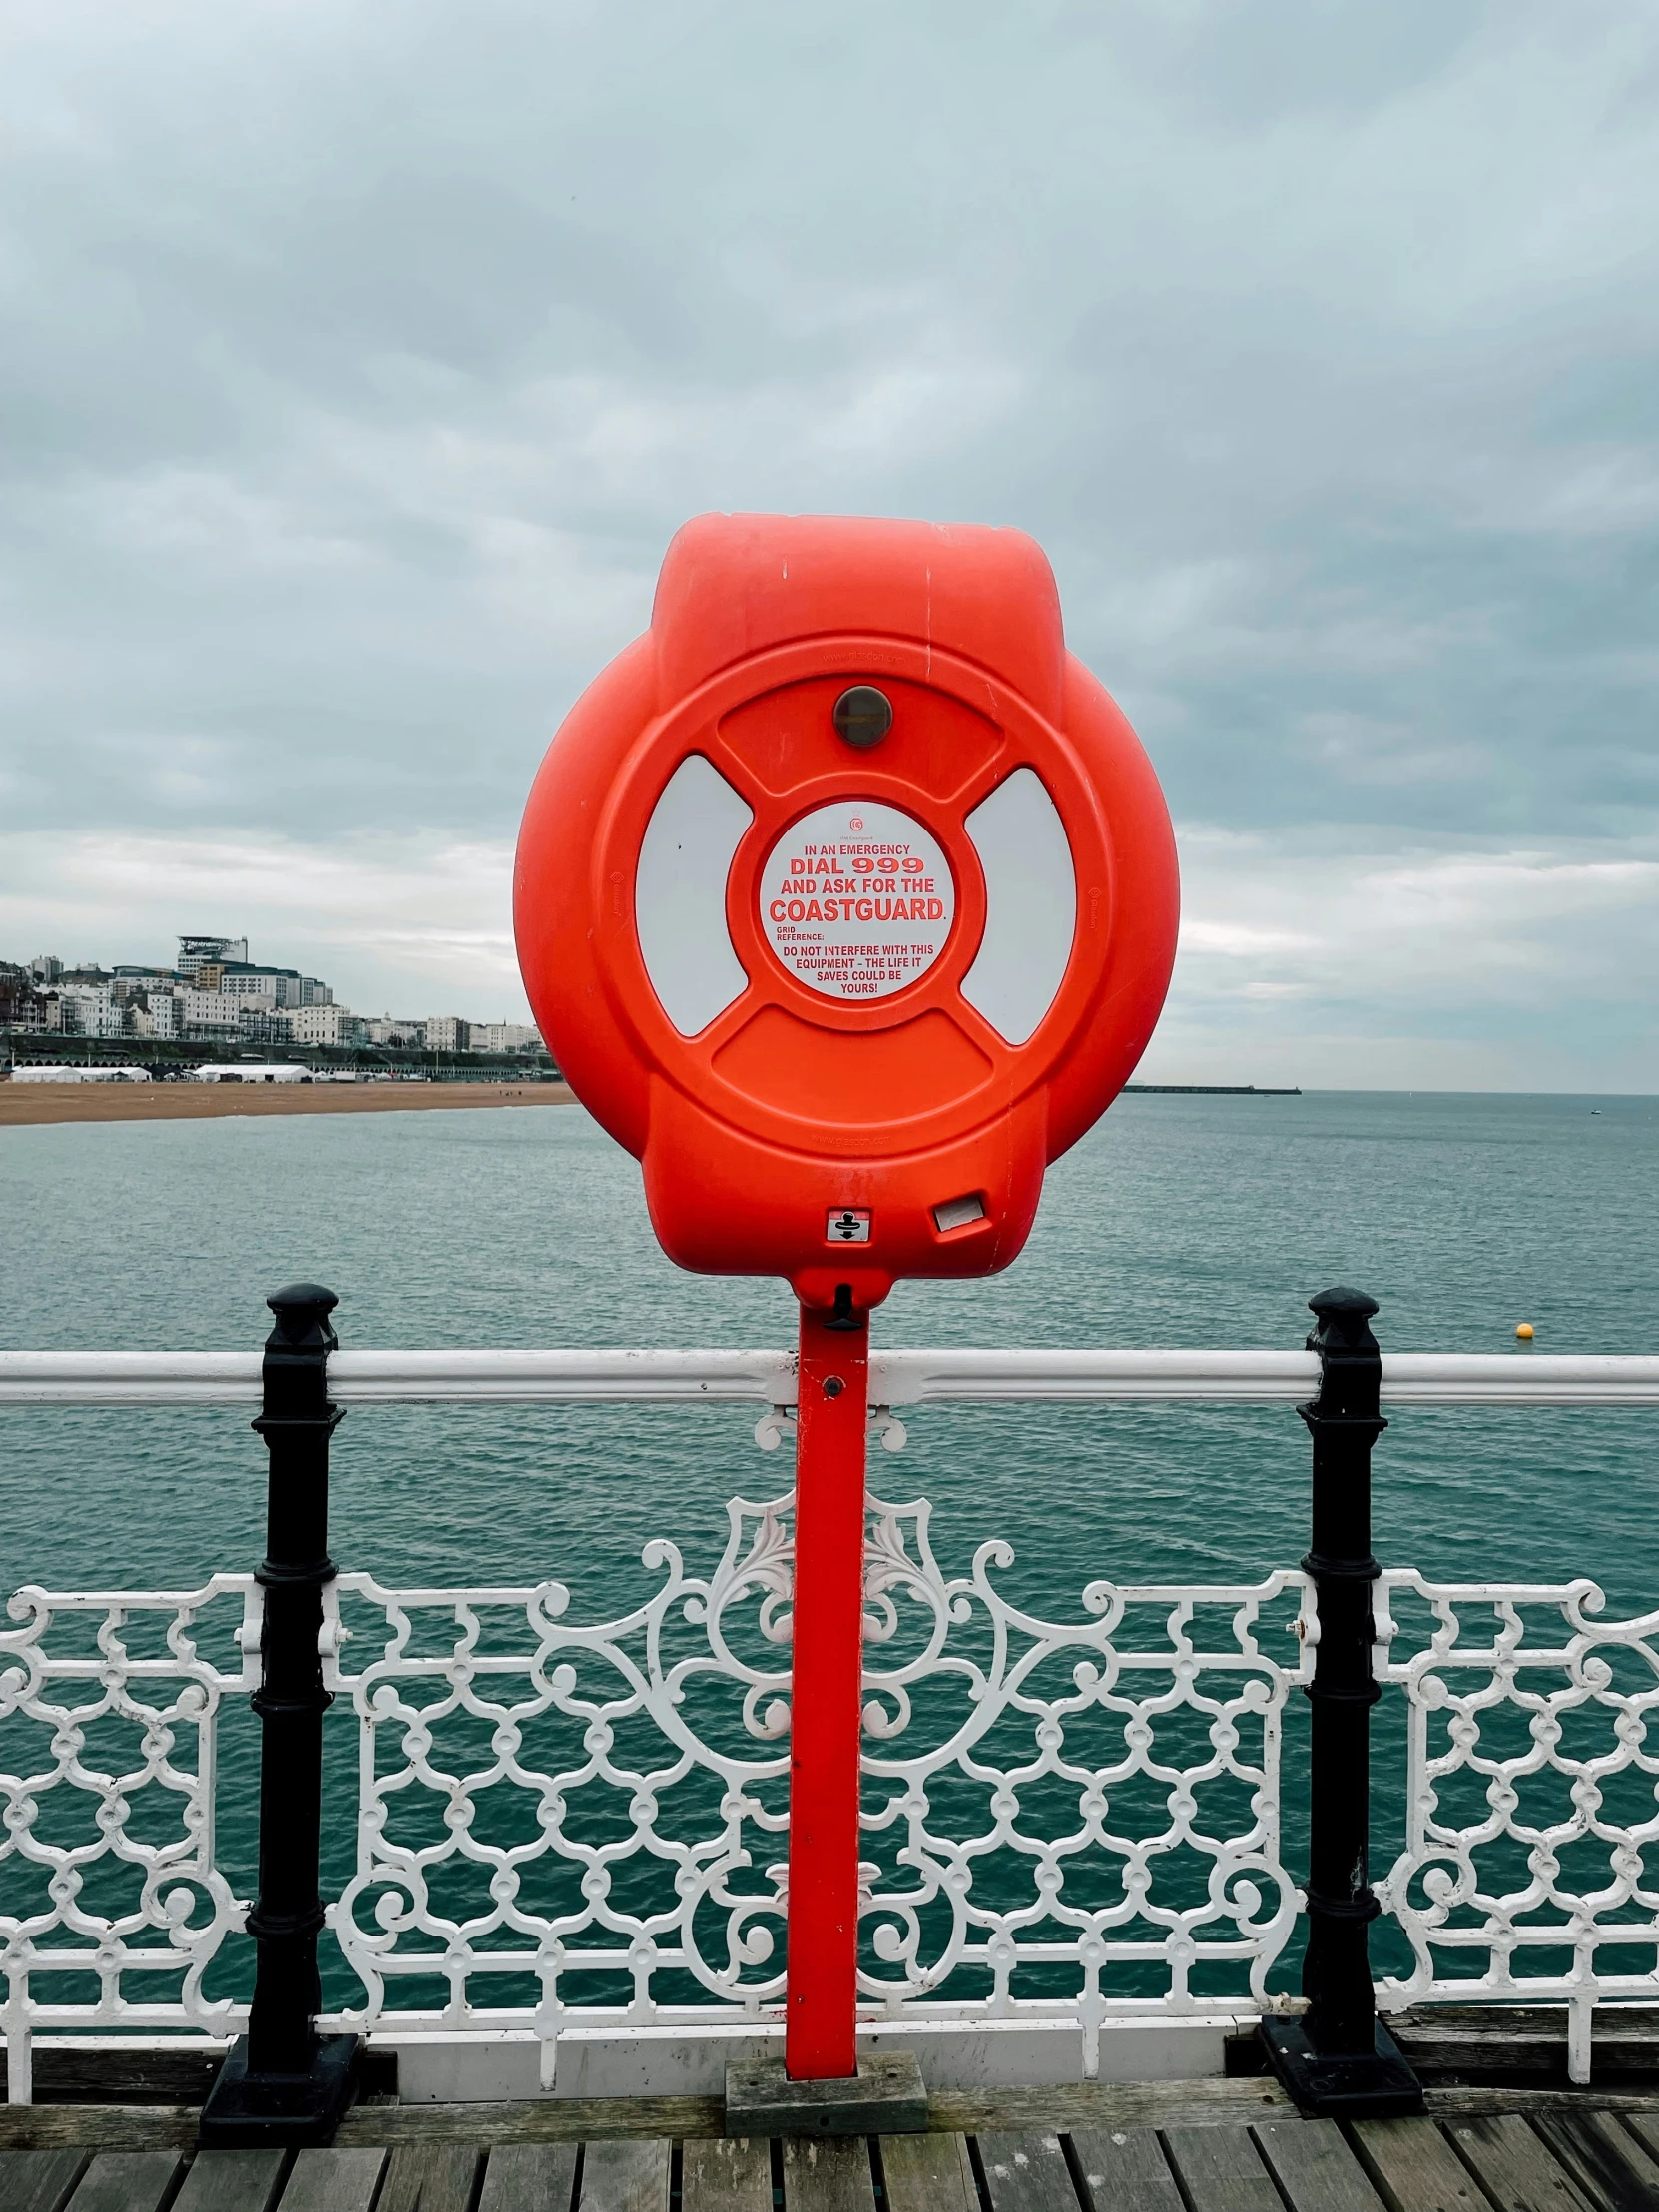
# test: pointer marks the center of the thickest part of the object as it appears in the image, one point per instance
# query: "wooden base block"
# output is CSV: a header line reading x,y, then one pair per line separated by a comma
x,y
884,2097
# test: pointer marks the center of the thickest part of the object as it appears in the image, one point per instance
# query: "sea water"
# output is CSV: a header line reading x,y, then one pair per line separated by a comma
x,y
1179,1221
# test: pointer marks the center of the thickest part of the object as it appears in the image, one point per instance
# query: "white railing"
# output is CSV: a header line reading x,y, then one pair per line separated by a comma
x,y
110,1880
768,1377
1090,1804
1531,1796
1071,1823
1065,1820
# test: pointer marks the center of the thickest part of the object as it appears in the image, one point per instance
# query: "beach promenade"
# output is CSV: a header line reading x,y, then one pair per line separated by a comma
x,y
33,1103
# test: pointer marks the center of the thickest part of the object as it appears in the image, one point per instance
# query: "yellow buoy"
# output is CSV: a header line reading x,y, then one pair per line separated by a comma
x,y
1524,1329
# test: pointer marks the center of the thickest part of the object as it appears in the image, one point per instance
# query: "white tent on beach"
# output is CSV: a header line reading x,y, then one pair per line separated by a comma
x,y
81,1074
249,1071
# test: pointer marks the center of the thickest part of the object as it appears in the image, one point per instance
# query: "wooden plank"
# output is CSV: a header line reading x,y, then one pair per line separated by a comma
x,y
827,2174
1462,2105
545,2121
1313,2167
1525,2047
233,2181
1634,2020
927,2174
527,2177
83,2073
1511,2164
39,2180
126,2181
1220,2170
1026,2172
1612,2167
1414,2168
90,2127
1630,2031
1099,2104
333,2181
1125,2170
1107,2105
1644,2126
731,2174
625,2175
431,2178
1063,2109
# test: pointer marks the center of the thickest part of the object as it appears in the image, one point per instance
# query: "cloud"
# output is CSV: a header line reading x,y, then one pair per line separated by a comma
x,y
360,363
413,924
1443,967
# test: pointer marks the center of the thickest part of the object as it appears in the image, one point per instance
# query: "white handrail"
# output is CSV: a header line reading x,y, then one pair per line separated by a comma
x,y
908,1377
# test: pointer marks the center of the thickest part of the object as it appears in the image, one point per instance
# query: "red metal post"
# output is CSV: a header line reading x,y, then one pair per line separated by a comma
x,y
824,1698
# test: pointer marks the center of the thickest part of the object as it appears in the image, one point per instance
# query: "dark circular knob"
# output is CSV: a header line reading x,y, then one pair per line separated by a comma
x,y
863,716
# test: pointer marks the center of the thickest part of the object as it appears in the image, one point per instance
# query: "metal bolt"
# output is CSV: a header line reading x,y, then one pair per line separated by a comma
x,y
832,1386
863,716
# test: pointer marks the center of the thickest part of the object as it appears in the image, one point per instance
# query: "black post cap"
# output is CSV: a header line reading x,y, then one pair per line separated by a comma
x,y
1342,1330
301,1309
1341,1302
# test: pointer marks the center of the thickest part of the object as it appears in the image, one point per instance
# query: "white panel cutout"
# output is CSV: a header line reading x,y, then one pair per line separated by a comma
x,y
679,895
1030,905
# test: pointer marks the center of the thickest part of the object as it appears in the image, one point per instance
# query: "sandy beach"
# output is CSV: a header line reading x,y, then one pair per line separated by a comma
x,y
26,1103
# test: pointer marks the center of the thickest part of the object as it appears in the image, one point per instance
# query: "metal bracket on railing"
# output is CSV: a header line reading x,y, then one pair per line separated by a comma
x,y
885,1429
250,1635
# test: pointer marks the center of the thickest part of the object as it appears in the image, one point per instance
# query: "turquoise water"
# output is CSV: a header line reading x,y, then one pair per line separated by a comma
x,y
1179,1221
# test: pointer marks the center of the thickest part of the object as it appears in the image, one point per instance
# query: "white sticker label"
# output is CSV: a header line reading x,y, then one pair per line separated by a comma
x,y
858,901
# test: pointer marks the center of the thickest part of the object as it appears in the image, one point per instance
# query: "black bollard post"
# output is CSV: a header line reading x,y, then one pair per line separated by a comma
x,y
283,2083
1338,2058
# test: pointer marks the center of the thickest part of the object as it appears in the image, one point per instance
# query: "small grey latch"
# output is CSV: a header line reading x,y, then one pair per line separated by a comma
x,y
956,1213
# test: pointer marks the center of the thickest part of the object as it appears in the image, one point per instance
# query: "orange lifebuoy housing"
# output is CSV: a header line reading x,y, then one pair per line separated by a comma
x,y
847,898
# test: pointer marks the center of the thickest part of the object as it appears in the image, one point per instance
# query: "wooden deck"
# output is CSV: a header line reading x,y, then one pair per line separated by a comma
x,y
1199,2146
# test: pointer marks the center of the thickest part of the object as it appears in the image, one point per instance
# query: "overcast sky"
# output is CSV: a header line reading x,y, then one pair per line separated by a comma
x,y
359,362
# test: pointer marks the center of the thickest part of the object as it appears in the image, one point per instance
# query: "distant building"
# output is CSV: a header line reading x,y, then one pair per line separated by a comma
x,y
218,995
284,987
261,1022
505,1037
85,1010
206,1017
160,1012
325,1024
197,953
21,1005
400,1035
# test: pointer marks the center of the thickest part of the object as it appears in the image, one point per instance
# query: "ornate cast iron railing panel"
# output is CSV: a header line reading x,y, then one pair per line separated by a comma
x,y
111,1891
566,1822
1532,1796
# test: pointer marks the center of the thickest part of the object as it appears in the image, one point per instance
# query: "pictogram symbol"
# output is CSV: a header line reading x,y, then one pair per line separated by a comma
x,y
849,1225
